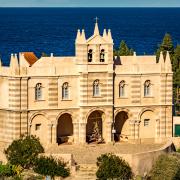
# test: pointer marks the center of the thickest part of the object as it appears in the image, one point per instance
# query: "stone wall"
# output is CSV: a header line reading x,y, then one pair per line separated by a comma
x,y
141,163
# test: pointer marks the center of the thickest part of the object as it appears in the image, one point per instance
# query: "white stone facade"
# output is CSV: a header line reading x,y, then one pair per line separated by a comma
x,y
61,98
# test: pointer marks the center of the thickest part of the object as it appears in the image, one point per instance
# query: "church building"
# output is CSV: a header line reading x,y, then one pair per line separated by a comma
x,y
67,99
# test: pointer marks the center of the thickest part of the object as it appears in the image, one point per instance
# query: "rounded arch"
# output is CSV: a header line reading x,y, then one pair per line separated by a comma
x,y
64,112
155,111
36,114
95,109
147,125
64,128
121,126
94,126
39,127
125,110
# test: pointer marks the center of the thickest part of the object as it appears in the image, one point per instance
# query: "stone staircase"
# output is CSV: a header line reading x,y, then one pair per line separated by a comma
x,y
84,172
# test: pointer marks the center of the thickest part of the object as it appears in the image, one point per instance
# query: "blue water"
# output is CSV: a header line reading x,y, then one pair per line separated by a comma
x,y
54,29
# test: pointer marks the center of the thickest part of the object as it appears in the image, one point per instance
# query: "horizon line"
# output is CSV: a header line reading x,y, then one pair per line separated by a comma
x,y
89,7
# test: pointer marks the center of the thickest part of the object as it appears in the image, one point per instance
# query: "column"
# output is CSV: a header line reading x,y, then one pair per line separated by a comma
x,y
157,135
49,133
82,133
108,132
137,123
132,129
76,132
29,129
54,133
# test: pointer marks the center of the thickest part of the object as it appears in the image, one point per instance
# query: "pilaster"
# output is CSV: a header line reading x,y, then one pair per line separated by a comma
x,y
137,124
82,133
76,132
108,137
54,133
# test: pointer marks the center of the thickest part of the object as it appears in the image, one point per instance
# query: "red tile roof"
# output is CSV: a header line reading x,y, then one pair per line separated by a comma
x,y
30,57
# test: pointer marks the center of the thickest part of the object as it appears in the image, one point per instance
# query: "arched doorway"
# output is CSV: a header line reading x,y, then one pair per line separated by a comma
x,y
121,125
147,125
94,127
39,128
65,129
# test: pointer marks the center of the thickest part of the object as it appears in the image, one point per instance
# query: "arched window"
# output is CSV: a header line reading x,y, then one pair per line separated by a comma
x,y
90,55
122,89
147,88
102,55
38,91
96,88
65,91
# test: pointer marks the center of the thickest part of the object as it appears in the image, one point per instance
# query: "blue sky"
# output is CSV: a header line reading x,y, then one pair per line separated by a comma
x,y
89,3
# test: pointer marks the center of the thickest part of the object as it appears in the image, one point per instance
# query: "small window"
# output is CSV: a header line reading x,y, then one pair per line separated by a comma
x,y
102,56
38,91
37,127
122,89
147,88
65,91
90,55
146,122
96,89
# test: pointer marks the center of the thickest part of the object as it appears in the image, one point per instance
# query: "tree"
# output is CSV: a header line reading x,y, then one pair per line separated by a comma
x,y
176,58
176,75
112,167
43,54
123,50
167,167
176,66
166,45
24,151
48,166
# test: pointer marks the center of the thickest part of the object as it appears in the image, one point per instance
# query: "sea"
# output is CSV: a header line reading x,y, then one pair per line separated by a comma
x,y
53,30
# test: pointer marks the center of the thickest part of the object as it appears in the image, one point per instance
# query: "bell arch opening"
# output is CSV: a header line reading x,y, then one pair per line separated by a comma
x,y
65,129
121,127
94,127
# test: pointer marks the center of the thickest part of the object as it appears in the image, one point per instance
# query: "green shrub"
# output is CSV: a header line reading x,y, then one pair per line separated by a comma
x,y
6,170
178,150
9,170
48,166
112,167
24,151
167,167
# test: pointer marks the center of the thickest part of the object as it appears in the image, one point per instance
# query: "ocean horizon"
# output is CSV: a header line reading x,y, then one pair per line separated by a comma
x,y
53,30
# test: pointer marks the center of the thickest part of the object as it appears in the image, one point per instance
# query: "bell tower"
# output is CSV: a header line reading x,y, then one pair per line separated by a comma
x,y
95,50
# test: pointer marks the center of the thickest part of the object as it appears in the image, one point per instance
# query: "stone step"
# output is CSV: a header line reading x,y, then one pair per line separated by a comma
x,y
84,178
88,166
83,169
80,178
86,172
